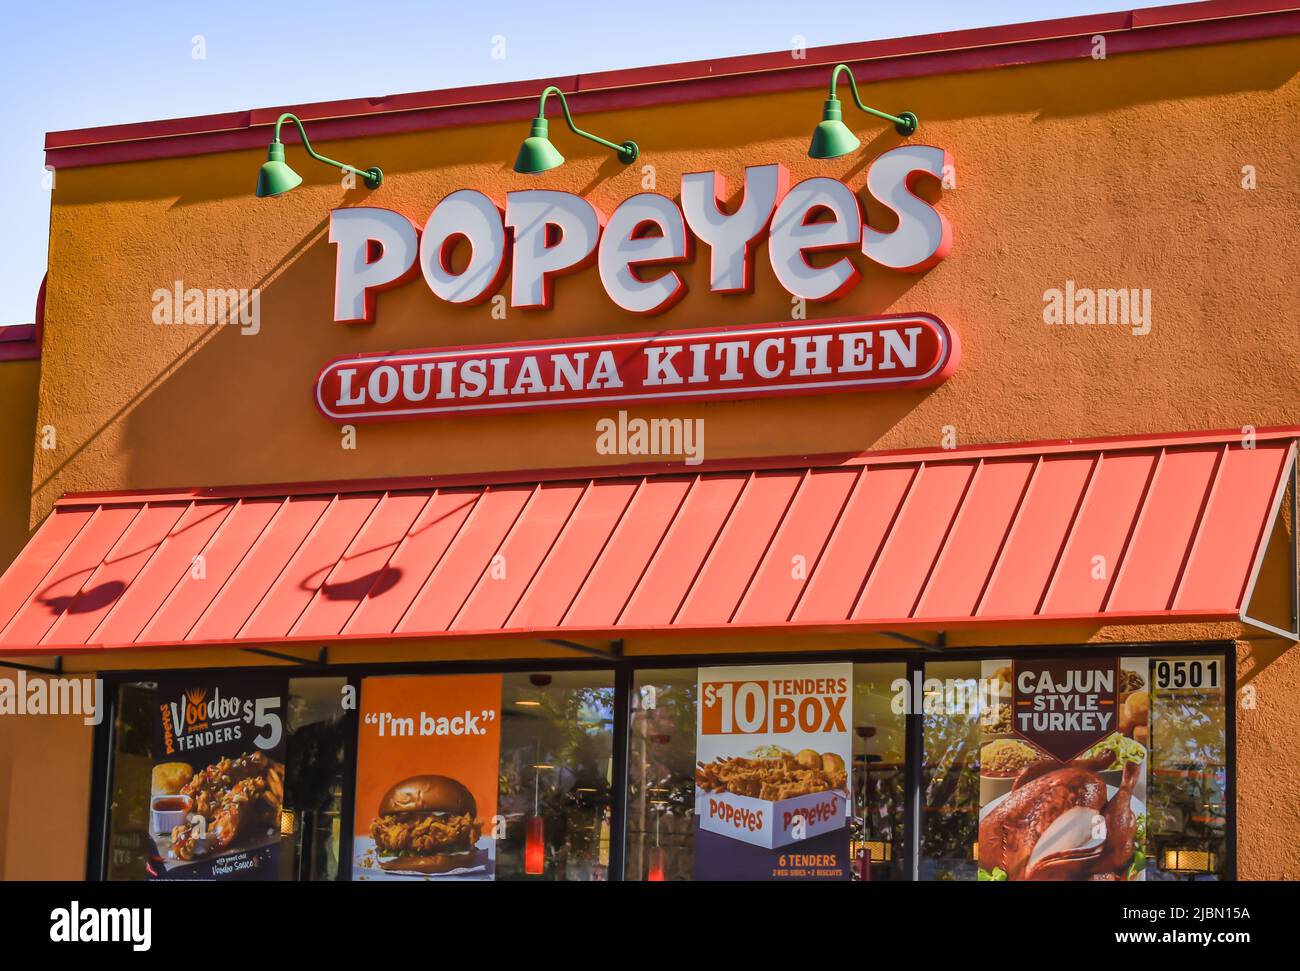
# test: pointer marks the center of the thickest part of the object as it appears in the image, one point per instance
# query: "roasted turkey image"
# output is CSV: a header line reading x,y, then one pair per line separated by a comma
x,y
1047,827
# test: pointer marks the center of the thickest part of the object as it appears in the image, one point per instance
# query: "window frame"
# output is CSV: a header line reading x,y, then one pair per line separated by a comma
x,y
624,670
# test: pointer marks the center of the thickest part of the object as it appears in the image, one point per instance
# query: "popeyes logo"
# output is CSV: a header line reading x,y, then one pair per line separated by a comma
x,y
824,811
735,815
471,243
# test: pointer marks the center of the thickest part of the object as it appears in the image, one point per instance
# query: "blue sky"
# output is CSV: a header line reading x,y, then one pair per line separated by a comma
x,y
76,65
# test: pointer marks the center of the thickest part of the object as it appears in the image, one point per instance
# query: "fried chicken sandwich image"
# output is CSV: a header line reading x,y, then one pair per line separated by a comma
x,y
426,824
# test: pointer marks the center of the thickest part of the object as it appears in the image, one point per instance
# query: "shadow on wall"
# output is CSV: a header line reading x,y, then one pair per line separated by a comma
x,y
1271,604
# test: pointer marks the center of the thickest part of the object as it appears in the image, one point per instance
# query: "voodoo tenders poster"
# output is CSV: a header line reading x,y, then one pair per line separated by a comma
x,y
1063,769
774,750
427,776
218,778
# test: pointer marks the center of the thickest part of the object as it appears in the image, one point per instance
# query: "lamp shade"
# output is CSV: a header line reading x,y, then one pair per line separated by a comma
x,y
537,154
275,177
832,138
535,847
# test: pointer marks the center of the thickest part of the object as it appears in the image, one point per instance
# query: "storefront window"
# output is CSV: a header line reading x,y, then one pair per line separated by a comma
x,y
128,808
314,777
1093,768
661,775
1069,767
879,760
1186,829
950,780
556,769
663,759
484,777
303,824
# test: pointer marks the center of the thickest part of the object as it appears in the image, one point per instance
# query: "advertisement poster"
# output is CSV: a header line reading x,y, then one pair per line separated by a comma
x,y
427,759
1064,747
217,780
773,747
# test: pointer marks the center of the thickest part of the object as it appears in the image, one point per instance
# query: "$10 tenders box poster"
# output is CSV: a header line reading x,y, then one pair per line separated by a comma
x,y
774,749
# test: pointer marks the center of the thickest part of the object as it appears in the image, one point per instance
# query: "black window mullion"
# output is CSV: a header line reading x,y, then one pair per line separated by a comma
x,y
913,770
347,804
619,775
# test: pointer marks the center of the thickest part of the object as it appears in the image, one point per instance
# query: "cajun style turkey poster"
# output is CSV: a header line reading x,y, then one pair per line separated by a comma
x,y
1064,746
771,783
218,779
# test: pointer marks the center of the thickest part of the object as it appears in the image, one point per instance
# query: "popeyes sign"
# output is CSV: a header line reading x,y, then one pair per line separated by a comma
x,y
540,234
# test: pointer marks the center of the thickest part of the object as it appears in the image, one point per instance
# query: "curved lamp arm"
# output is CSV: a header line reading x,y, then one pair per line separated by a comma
x,y
904,124
372,176
627,152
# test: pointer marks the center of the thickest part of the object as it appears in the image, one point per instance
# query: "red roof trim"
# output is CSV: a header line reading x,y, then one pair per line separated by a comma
x,y
1179,25
601,634
331,567
1109,443
22,342
19,343
17,332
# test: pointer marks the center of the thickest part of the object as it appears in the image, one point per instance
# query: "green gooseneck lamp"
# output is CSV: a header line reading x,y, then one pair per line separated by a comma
x,y
832,138
275,177
537,154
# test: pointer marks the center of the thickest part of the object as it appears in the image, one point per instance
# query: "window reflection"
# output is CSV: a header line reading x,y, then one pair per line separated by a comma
x,y
1188,786
128,821
879,755
556,770
661,775
313,783
950,782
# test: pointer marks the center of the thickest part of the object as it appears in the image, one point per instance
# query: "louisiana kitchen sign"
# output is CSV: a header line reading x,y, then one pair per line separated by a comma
x,y
732,362
470,244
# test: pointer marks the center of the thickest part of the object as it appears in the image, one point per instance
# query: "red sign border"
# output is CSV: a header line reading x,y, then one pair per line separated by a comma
x,y
942,371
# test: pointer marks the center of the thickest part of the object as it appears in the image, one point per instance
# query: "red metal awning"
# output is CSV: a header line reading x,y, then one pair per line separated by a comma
x,y
1120,531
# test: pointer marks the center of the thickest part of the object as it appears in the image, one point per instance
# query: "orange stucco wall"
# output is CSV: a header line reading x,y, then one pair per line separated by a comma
x,y
44,796
40,838
1126,172
18,387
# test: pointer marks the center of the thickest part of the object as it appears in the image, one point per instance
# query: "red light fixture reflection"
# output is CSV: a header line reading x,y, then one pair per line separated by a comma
x,y
656,872
535,847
